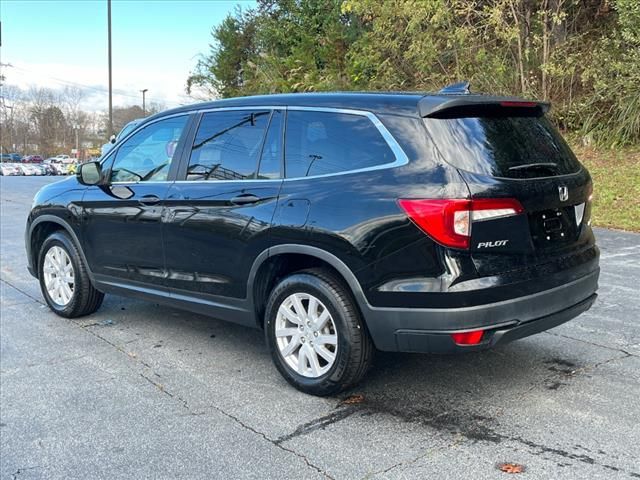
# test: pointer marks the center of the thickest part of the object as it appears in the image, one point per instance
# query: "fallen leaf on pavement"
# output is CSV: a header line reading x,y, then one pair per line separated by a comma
x,y
353,399
511,467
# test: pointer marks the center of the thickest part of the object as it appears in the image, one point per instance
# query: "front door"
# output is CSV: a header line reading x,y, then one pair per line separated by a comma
x,y
122,218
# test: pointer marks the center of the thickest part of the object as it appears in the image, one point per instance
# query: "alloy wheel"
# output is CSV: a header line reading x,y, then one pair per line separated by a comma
x,y
306,335
58,275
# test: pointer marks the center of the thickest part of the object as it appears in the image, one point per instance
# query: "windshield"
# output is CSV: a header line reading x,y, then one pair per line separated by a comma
x,y
512,147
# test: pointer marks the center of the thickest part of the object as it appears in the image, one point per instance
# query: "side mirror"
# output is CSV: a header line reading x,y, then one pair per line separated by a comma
x,y
112,139
89,173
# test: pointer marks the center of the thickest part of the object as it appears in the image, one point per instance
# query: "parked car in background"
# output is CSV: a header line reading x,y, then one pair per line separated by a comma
x,y
56,165
339,223
72,168
48,169
29,169
42,168
32,159
123,133
10,157
10,169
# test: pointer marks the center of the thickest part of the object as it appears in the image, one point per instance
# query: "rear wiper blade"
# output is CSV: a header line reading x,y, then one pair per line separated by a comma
x,y
535,165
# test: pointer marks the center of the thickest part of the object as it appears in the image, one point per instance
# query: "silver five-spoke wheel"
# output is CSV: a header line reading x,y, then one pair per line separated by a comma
x,y
58,275
306,335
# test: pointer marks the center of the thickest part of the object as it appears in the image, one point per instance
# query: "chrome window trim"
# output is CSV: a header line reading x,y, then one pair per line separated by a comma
x,y
154,182
400,155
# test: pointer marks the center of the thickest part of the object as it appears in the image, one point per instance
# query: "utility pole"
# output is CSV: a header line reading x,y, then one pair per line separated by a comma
x,y
110,132
144,106
77,128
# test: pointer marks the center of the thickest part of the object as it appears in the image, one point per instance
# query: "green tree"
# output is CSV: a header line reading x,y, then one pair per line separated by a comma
x,y
221,72
582,55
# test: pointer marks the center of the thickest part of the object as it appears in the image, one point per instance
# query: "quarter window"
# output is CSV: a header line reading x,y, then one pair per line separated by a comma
x,y
227,145
147,155
320,143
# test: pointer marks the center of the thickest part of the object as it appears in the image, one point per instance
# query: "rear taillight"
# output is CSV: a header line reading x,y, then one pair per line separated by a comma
x,y
580,208
449,221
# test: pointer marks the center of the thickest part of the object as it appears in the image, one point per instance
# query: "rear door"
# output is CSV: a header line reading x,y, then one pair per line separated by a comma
x,y
217,216
513,152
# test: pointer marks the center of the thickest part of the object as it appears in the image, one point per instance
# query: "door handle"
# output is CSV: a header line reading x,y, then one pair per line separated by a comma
x,y
245,199
149,200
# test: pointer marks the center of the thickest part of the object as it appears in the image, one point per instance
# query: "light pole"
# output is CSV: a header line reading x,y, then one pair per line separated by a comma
x,y
144,106
110,82
76,127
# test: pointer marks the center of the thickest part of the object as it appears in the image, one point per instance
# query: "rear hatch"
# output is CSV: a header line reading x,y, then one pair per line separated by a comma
x,y
507,149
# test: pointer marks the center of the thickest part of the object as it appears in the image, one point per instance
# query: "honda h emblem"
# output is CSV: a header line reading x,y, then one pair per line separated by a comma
x,y
564,193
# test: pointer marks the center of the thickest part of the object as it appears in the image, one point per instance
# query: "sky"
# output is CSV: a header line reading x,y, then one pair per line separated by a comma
x,y
155,45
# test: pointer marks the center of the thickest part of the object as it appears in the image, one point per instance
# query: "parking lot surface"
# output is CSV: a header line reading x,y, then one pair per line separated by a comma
x,y
139,390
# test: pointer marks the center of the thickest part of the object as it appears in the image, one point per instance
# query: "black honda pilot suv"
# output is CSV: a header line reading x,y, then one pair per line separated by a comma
x,y
339,223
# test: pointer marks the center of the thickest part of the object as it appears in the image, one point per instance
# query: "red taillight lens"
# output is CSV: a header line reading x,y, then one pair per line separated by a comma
x,y
518,104
437,219
448,221
468,338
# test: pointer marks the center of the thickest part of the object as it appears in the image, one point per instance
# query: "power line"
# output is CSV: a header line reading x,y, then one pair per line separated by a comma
x,y
118,92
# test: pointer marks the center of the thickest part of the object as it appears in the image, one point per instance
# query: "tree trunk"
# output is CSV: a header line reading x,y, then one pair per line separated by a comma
x,y
520,57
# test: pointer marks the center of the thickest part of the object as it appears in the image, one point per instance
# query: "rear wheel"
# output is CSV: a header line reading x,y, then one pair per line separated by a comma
x,y
64,280
315,333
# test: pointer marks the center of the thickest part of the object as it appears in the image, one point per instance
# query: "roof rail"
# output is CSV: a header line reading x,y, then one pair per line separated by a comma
x,y
460,88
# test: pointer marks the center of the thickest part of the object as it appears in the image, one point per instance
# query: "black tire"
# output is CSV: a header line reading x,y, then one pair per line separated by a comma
x,y
354,349
85,299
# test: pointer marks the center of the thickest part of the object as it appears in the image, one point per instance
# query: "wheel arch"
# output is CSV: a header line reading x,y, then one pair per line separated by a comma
x,y
40,229
278,261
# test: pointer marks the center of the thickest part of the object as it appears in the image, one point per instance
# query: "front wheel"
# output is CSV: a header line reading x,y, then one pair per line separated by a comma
x,y
64,279
315,333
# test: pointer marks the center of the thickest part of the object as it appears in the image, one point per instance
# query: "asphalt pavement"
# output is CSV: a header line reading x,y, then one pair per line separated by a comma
x,y
139,391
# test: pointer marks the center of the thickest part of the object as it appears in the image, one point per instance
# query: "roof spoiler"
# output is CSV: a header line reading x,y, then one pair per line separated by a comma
x,y
446,105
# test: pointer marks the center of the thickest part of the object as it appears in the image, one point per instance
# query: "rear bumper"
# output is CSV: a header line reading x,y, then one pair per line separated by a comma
x,y
429,330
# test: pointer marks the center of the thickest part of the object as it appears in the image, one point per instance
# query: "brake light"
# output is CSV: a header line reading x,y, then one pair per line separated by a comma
x,y
519,104
468,338
449,221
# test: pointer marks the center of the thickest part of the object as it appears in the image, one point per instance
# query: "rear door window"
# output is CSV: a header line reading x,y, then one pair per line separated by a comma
x,y
502,146
321,143
271,159
228,145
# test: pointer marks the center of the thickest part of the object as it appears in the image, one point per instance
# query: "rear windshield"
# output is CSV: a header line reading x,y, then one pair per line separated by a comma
x,y
512,147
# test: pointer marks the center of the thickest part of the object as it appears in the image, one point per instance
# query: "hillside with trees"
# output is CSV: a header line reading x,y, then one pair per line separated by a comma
x,y
582,55
50,121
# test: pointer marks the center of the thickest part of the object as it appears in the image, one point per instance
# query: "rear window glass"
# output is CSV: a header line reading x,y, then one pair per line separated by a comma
x,y
512,147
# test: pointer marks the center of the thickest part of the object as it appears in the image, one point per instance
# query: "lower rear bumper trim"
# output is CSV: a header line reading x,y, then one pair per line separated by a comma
x,y
442,343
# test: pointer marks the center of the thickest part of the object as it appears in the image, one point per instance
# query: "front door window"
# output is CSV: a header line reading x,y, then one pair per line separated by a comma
x,y
147,154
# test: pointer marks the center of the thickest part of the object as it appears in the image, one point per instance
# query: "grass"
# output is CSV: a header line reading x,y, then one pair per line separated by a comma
x,y
616,186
